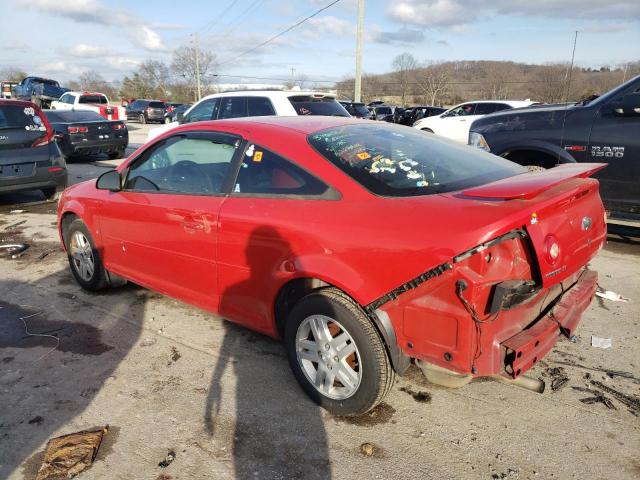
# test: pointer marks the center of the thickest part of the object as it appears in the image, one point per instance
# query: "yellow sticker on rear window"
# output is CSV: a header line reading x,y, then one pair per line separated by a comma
x,y
257,157
363,155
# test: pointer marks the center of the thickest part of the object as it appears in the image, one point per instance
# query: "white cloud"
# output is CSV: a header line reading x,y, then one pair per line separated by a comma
x,y
450,13
93,11
146,38
329,26
83,50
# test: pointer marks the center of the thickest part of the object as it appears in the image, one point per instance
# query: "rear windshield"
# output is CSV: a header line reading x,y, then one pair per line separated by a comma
x,y
19,116
360,109
59,116
156,105
93,99
308,105
398,161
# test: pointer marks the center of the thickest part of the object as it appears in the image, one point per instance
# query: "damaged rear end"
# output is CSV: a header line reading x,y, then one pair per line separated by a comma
x,y
499,307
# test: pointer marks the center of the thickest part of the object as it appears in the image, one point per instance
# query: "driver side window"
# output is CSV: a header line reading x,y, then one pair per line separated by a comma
x,y
196,166
462,110
205,110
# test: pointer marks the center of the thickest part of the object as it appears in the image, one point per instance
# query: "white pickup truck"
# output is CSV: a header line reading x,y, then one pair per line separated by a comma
x,y
97,102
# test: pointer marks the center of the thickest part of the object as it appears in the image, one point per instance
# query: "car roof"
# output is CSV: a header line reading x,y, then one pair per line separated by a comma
x,y
84,93
270,93
305,124
513,103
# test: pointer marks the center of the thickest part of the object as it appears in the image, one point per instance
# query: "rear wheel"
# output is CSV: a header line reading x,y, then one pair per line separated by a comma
x,y
116,155
84,259
142,118
52,194
336,354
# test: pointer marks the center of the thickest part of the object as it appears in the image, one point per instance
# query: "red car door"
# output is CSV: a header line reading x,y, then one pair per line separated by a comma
x,y
262,223
161,229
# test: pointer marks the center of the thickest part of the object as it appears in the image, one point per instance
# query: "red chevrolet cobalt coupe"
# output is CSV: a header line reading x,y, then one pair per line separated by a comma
x,y
363,245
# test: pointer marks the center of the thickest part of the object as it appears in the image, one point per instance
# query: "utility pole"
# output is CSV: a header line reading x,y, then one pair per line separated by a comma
x,y
358,86
198,68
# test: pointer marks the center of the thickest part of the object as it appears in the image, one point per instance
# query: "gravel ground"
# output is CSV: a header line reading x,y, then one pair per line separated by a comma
x,y
167,376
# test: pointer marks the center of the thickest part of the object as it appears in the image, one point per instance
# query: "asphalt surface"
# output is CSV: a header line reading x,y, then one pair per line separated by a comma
x,y
168,377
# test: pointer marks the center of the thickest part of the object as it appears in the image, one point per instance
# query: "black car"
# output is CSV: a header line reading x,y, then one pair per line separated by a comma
x,y
412,114
84,132
146,111
603,129
383,113
356,109
171,114
30,158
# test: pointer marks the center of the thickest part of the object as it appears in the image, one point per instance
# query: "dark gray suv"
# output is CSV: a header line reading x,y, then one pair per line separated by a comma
x,y
30,158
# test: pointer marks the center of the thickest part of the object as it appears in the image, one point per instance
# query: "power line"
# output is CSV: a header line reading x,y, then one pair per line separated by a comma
x,y
253,7
209,25
297,24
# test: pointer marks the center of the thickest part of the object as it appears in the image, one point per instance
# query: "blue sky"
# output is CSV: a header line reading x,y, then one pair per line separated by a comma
x,y
62,38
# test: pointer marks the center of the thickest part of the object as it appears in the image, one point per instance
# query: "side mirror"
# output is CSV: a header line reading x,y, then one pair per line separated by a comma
x,y
110,180
180,117
629,106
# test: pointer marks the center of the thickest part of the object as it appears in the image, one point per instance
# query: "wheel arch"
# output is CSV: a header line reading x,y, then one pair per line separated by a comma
x,y
295,289
553,153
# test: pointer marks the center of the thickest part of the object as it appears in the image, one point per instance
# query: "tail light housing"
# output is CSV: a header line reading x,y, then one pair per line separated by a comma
x,y
551,250
148,109
119,126
49,134
77,130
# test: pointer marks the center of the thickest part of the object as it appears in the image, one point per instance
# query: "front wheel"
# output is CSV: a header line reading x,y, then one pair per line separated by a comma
x,y
167,120
84,259
336,353
142,119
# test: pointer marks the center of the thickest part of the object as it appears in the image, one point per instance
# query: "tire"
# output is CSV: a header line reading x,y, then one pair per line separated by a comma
x,y
52,194
80,248
360,360
142,119
167,120
116,155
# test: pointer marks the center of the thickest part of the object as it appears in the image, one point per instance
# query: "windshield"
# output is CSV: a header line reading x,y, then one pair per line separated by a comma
x,y
156,105
61,116
361,110
19,116
398,161
309,105
93,99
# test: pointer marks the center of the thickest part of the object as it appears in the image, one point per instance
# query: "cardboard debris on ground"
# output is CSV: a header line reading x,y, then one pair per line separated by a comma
x,y
600,342
68,455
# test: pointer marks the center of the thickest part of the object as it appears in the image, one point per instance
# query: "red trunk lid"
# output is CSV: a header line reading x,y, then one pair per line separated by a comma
x,y
564,209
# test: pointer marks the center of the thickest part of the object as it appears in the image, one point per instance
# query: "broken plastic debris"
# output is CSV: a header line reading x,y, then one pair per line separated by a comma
x,y
171,456
613,296
600,342
68,455
15,249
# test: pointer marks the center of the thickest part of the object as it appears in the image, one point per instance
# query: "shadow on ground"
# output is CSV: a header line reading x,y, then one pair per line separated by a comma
x,y
56,353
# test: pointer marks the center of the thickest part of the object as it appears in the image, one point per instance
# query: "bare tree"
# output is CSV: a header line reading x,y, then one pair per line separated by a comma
x,y
434,82
497,81
404,66
183,65
549,83
155,75
12,74
91,80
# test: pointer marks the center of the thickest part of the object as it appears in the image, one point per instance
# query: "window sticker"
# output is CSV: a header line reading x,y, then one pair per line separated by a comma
x,y
250,150
37,120
363,155
237,188
29,111
257,157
